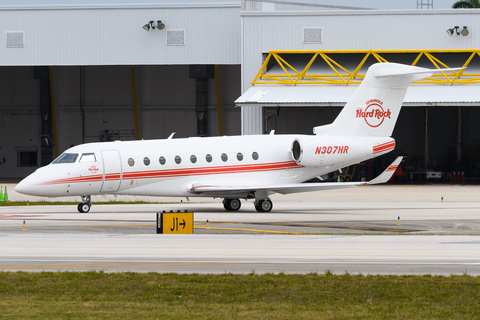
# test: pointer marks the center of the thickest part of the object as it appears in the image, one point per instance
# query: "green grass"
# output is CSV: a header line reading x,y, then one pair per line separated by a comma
x,y
70,295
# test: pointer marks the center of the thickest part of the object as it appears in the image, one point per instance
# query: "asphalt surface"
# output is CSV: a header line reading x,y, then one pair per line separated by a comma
x,y
354,230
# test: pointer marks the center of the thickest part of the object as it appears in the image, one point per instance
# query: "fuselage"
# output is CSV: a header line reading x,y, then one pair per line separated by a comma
x,y
169,167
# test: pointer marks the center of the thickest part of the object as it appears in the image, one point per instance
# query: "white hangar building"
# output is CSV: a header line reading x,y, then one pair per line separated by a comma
x,y
75,74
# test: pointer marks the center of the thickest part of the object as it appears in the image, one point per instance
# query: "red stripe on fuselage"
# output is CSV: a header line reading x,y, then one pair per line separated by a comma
x,y
384,147
94,178
152,174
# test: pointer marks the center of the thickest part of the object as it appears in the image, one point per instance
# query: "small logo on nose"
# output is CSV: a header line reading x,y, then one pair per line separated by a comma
x,y
93,169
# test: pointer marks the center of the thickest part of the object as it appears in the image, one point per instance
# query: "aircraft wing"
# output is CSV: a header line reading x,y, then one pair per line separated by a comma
x,y
388,173
291,188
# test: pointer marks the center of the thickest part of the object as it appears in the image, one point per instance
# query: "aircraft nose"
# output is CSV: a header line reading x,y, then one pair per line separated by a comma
x,y
25,187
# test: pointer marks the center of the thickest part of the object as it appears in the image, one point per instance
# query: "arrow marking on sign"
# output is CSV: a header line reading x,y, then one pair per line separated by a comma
x,y
183,224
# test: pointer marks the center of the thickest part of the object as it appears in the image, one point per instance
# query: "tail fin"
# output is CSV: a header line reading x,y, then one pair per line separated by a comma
x,y
375,106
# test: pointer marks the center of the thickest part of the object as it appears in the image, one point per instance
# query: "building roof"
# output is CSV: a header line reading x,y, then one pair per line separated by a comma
x,y
269,6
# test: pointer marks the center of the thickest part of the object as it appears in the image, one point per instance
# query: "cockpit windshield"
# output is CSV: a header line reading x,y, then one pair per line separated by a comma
x,y
66,158
88,157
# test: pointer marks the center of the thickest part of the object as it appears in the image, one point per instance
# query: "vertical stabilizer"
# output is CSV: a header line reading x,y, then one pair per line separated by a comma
x,y
375,106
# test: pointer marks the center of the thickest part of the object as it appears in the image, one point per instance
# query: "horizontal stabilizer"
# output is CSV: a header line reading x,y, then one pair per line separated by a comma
x,y
416,72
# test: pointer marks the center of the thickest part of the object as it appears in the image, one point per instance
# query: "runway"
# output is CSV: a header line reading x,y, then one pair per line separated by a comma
x,y
242,253
356,236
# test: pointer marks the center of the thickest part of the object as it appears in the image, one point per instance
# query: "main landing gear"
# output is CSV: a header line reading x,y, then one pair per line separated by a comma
x,y
86,204
264,205
232,204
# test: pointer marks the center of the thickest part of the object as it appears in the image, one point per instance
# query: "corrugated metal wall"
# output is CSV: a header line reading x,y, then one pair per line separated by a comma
x,y
99,35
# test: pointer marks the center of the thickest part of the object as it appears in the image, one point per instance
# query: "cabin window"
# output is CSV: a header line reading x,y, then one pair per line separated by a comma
x,y
255,156
146,161
131,162
88,157
193,158
162,160
224,157
66,158
178,160
239,156
209,158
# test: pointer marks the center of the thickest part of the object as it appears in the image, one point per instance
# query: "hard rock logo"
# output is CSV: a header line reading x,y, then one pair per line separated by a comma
x,y
374,114
93,169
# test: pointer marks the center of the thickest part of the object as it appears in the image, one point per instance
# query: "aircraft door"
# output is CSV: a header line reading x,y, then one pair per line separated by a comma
x,y
112,171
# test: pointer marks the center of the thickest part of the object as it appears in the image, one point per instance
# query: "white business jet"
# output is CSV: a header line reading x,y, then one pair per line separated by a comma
x,y
238,167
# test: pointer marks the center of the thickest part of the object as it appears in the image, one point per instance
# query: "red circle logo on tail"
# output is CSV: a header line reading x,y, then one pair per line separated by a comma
x,y
374,114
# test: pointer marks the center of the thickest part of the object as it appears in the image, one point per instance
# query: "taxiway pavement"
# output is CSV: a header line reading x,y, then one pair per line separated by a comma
x,y
353,230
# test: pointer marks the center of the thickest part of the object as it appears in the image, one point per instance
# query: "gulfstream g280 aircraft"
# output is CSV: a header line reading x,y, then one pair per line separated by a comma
x,y
237,167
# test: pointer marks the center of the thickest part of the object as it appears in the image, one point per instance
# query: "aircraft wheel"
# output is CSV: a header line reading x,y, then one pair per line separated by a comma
x,y
235,204
83,207
232,204
264,205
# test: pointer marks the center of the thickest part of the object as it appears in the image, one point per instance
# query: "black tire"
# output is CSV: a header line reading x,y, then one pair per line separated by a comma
x,y
267,205
232,204
235,204
264,205
83,208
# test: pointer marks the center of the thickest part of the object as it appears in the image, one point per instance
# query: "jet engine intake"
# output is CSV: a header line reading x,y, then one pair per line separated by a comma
x,y
297,150
302,155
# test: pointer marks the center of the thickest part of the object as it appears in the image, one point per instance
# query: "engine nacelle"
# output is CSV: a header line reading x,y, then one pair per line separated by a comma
x,y
328,151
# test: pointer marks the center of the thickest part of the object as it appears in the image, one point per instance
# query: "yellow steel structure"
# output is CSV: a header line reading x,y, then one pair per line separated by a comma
x,y
340,74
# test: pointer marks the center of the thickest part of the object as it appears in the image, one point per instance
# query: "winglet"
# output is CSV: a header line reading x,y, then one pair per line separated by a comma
x,y
388,173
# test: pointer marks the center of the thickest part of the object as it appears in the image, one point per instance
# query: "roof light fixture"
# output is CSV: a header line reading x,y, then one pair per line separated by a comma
x,y
465,31
150,24
147,26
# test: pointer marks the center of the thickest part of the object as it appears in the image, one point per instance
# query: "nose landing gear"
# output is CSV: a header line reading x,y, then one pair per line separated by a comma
x,y
86,204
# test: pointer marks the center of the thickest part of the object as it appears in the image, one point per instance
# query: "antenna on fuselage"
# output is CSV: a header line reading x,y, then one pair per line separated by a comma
x,y
171,136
